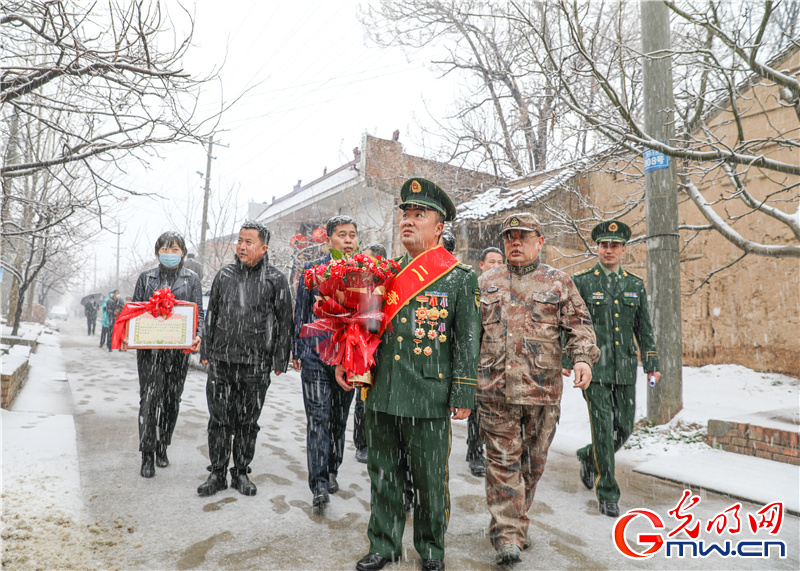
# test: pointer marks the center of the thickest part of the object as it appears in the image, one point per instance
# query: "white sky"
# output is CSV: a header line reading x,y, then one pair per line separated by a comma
x,y
316,85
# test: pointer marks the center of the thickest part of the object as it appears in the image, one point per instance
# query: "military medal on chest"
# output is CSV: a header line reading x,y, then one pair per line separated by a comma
x,y
432,309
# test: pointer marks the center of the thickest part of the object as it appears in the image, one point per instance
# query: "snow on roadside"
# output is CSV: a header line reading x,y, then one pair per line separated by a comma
x,y
42,509
43,520
710,392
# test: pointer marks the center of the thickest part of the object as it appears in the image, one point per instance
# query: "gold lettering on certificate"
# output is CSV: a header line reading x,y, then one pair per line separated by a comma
x,y
151,330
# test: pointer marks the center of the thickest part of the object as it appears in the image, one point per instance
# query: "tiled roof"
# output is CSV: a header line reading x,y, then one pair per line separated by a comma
x,y
502,199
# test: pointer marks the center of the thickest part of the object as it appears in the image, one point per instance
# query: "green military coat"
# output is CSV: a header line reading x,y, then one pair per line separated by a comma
x,y
423,379
619,317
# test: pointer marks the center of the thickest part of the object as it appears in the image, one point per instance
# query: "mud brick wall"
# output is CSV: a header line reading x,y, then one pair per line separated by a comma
x,y
770,443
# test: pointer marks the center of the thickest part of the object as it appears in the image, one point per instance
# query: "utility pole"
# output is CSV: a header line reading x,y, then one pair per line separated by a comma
x,y
206,194
661,200
119,231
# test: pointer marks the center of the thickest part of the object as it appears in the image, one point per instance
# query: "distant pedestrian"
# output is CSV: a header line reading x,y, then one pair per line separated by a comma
x,y
326,403
525,307
162,372
114,305
108,319
248,333
617,301
90,311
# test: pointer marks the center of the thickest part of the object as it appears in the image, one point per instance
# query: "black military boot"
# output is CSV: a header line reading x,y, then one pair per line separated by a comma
x,y
241,482
477,466
371,562
610,509
148,470
161,456
216,482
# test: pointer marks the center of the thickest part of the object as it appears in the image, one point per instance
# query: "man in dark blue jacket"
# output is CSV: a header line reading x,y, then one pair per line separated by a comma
x,y
248,328
327,404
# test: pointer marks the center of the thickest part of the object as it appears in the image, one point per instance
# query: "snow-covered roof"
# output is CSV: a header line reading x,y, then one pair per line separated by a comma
x,y
502,199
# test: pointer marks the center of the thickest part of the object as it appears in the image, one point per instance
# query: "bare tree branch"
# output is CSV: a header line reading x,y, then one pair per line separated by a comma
x,y
719,224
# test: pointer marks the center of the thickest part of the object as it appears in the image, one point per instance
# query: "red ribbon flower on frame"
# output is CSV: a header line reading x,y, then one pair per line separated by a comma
x,y
161,303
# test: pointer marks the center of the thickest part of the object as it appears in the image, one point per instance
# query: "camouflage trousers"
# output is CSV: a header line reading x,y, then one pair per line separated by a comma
x,y
517,438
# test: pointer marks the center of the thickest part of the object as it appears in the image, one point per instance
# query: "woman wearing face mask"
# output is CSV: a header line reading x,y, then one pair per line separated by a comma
x,y
162,372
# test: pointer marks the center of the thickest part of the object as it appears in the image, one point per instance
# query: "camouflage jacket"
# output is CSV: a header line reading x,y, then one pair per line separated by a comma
x,y
523,312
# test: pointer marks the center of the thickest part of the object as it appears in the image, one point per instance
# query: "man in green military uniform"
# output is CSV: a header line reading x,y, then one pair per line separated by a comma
x,y
426,371
617,301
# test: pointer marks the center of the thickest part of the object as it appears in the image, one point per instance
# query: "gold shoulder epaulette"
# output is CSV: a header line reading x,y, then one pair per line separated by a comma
x,y
464,266
630,273
586,271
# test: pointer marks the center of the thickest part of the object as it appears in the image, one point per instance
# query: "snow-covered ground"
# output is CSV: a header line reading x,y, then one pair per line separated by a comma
x,y
676,450
73,498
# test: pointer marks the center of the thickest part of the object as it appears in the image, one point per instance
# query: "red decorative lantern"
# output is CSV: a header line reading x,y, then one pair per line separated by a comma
x,y
319,235
299,241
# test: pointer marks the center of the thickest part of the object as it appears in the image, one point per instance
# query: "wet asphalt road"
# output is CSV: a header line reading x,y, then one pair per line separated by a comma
x,y
161,523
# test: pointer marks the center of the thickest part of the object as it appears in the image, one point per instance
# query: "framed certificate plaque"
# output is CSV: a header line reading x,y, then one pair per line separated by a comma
x,y
174,332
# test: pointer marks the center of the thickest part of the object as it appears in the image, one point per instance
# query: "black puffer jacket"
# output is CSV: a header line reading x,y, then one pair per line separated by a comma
x,y
249,317
185,287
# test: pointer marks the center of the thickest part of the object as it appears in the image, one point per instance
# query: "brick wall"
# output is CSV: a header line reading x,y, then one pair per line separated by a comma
x,y
770,443
14,375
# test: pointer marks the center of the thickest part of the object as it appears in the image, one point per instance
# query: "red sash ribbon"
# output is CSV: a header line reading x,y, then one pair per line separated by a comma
x,y
420,272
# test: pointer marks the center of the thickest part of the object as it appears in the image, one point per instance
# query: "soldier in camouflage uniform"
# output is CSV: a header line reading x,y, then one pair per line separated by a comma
x,y
617,301
426,371
524,308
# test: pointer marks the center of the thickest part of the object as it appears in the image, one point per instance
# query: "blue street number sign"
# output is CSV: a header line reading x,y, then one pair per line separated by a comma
x,y
655,160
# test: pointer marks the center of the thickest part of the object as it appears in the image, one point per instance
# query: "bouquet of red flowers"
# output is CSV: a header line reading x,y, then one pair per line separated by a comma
x,y
349,306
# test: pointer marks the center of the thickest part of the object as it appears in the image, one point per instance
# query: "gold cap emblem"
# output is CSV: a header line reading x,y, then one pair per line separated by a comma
x,y
416,187
613,227
514,222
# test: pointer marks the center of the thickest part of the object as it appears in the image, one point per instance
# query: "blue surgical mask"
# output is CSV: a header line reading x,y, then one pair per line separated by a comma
x,y
169,260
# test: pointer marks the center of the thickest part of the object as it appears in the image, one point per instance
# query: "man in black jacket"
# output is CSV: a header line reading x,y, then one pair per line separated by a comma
x,y
248,333
326,403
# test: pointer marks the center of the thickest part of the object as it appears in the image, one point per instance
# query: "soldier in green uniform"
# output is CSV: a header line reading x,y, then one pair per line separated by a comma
x,y
617,301
426,371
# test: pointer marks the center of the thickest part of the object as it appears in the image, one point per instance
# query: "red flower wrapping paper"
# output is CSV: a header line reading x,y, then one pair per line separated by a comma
x,y
349,309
